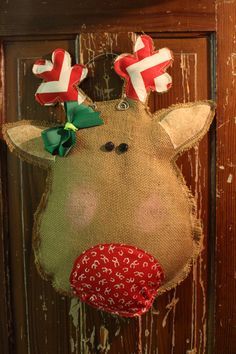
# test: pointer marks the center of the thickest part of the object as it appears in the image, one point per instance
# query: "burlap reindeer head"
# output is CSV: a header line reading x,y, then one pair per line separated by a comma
x,y
116,225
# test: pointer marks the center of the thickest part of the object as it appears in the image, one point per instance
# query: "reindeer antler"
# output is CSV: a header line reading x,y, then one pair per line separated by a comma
x,y
145,70
60,79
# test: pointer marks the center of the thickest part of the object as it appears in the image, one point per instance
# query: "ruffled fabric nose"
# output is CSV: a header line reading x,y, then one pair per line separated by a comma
x,y
117,278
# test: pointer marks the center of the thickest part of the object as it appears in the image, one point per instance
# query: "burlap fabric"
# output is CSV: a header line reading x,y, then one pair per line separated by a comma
x,y
138,198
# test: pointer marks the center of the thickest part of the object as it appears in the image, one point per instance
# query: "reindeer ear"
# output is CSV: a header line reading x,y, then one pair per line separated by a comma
x,y
186,124
24,139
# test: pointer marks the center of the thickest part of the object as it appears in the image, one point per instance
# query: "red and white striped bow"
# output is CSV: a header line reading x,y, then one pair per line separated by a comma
x,y
60,79
145,70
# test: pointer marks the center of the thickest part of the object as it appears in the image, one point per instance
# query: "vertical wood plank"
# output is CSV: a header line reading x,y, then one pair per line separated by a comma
x,y
191,83
2,85
225,317
37,17
6,330
177,322
97,331
39,313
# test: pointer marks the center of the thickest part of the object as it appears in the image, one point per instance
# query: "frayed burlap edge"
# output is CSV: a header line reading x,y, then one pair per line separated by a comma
x,y
159,115
36,234
197,237
24,156
36,161
197,234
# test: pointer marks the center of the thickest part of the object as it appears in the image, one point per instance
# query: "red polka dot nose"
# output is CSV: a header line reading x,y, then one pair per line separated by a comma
x,y
117,278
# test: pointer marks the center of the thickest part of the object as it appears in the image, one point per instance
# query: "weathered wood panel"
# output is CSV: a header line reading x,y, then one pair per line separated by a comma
x,y
225,339
39,314
2,84
177,322
20,17
6,339
179,319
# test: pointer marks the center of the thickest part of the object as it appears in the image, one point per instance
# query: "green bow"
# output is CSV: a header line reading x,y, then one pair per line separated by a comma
x,y
59,140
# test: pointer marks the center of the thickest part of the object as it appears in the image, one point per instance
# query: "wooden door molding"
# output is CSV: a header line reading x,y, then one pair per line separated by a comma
x,y
6,330
180,317
42,17
225,261
34,318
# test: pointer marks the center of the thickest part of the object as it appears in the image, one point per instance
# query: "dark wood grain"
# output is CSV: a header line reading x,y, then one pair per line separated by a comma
x,y
6,329
34,319
38,17
191,83
225,339
39,314
2,85
178,321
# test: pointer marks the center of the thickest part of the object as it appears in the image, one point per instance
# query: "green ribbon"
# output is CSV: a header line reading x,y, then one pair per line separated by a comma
x,y
59,140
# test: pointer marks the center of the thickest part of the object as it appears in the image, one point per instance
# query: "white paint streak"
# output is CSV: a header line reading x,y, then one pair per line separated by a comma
x,y
82,327
175,301
230,178
104,345
78,314
140,335
169,308
72,345
194,269
74,308
198,271
202,332
187,76
151,330
92,337
23,256
233,62
117,331
203,335
45,309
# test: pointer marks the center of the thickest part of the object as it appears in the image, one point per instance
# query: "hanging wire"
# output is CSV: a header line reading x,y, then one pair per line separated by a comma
x,y
123,105
101,55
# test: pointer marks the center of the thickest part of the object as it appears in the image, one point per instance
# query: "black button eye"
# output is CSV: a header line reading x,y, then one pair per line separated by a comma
x,y
109,146
123,147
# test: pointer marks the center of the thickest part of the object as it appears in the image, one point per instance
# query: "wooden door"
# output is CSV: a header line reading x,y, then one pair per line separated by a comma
x,y
35,319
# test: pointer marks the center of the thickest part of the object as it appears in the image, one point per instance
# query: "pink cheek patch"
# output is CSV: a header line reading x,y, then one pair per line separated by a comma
x,y
149,214
82,204
117,278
